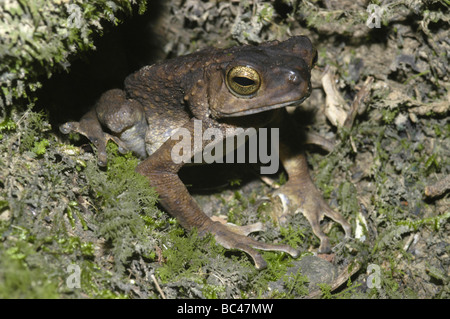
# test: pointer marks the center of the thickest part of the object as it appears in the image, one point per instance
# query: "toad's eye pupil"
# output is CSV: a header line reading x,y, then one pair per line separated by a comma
x,y
243,81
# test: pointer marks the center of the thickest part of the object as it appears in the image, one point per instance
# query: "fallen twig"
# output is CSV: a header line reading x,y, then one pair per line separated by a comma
x,y
358,102
163,296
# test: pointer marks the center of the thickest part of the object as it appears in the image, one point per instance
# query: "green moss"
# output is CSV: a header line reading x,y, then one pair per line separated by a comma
x,y
122,204
293,236
186,256
348,200
267,13
434,222
43,225
19,280
7,125
212,291
295,284
40,37
389,115
277,265
40,147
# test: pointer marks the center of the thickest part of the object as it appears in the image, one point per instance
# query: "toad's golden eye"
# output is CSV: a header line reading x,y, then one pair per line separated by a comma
x,y
243,81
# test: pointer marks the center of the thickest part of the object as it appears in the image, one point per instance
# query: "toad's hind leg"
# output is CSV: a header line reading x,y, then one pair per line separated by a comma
x,y
299,192
124,118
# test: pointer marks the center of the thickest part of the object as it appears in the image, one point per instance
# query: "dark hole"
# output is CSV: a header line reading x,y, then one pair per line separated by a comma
x,y
243,81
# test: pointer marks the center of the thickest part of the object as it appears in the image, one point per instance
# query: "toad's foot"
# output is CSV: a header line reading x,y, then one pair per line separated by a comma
x,y
305,198
90,127
235,237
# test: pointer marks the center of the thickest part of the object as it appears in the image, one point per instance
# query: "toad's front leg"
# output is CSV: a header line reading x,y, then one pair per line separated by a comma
x,y
124,118
162,173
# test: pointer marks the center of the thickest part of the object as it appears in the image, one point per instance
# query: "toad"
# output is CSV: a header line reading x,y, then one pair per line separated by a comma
x,y
244,86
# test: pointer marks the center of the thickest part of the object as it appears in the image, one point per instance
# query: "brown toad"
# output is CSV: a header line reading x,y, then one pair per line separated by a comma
x,y
246,86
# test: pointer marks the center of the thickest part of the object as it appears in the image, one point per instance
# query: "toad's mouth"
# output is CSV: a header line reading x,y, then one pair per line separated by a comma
x,y
263,109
